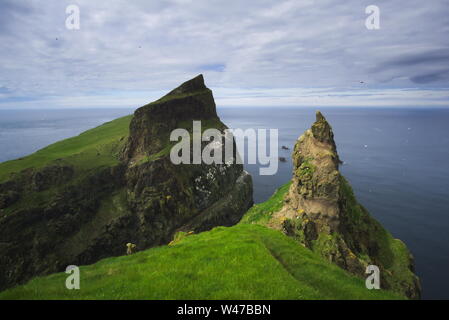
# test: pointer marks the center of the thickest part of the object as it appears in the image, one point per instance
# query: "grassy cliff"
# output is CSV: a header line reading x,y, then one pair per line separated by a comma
x,y
92,148
241,262
83,199
246,261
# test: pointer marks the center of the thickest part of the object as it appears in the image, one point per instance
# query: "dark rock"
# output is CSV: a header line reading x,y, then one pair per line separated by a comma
x,y
191,86
50,176
8,198
152,124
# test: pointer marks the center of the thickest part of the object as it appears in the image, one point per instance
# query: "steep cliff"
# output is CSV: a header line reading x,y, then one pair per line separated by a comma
x,y
84,198
321,212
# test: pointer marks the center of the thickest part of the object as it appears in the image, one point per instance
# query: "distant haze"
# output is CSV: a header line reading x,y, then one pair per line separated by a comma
x,y
252,53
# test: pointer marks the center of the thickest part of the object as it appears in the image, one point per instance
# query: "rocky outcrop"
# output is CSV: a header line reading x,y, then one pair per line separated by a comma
x,y
33,180
152,124
57,216
321,212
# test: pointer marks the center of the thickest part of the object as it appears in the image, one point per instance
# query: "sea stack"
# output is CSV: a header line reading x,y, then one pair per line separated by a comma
x,y
321,212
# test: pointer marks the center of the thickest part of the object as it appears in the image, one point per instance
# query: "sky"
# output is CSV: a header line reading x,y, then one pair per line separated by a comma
x,y
127,53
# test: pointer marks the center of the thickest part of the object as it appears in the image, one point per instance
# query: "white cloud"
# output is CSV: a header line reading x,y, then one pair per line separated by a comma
x,y
127,51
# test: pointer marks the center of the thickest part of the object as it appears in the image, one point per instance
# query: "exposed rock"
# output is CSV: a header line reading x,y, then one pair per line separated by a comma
x,y
152,124
33,180
144,199
321,212
50,176
8,198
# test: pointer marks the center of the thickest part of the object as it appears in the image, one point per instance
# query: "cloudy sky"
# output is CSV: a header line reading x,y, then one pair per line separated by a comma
x,y
252,53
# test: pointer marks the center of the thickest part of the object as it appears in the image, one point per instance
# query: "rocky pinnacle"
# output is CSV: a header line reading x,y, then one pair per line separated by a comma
x,y
322,213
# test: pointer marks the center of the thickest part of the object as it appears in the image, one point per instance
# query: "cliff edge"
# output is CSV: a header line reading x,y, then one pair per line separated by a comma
x,y
83,199
321,212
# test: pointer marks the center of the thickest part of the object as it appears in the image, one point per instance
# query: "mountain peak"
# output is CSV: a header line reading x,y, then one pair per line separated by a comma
x,y
321,129
319,116
192,100
190,86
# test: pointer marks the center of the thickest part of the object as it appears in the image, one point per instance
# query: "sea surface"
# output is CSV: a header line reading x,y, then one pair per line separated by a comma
x,y
396,159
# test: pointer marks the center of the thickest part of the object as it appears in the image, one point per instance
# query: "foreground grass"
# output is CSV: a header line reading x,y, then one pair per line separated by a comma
x,y
242,262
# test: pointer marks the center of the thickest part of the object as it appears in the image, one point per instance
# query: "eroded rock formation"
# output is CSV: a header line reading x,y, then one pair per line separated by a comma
x,y
321,212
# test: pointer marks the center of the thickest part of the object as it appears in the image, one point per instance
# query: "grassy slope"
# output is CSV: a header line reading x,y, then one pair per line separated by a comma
x,y
247,261
242,262
393,253
261,213
92,148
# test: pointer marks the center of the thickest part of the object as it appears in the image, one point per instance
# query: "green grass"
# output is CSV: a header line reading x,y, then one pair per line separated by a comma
x,y
97,147
241,262
261,213
306,168
93,148
393,253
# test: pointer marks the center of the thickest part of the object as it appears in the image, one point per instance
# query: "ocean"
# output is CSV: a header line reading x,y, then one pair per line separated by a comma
x,y
396,159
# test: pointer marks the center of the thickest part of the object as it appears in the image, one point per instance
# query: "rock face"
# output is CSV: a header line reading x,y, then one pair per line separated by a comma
x,y
152,124
58,215
321,212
